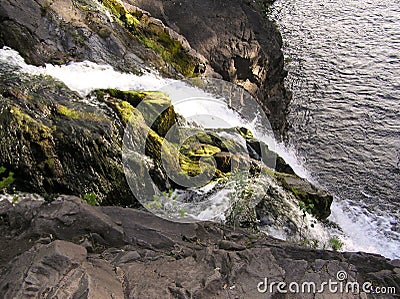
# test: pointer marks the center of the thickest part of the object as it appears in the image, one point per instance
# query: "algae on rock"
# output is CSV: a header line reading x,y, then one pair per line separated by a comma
x,y
154,35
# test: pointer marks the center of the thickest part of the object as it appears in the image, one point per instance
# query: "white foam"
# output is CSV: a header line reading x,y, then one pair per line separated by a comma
x,y
83,77
360,233
86,76
16,198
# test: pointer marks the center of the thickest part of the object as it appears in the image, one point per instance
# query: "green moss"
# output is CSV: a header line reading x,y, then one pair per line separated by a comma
x,y
199,150
70,113
5,180
192,168
29,125
91,198
78,115
154,37
125,109
155,107
170,50
159,149
158,112
131,20
336,244
314,200
115,7
246,133
50,163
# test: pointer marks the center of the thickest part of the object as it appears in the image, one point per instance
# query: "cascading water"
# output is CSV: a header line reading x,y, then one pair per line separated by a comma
x,y
86,76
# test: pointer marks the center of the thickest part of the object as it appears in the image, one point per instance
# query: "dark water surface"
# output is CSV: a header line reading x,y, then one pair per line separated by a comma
x,y
343,59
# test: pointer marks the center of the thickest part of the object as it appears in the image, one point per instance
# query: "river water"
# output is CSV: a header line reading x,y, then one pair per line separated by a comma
x,y
343,59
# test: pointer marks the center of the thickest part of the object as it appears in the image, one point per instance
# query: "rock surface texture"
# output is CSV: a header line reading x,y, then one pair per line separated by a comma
x,y
220,39
240,45
56,141
68,249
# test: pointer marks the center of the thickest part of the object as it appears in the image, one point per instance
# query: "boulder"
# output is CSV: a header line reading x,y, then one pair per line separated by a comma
x,y
55,142
60,269
315,199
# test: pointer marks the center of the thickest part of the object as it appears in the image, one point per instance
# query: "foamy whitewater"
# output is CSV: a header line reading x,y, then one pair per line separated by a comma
x,y
209,112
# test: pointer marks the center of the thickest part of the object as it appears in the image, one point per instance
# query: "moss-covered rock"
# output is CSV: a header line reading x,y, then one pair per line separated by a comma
x,y
156,107
140,110
154,35
55,142
317,199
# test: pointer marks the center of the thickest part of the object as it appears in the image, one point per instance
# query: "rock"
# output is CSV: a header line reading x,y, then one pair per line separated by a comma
x,y
164,259
60,269
155,107
56,143
241,45
117,34
48,265
230,246
259,150
317,199
58,219
226,162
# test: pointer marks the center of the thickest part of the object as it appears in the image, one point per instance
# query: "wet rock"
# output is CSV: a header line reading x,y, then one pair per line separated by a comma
x,y
317,199
235,40
75,30
56,143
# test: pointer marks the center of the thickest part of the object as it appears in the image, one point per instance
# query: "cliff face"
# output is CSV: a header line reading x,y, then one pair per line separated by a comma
x,y
229,40
241,46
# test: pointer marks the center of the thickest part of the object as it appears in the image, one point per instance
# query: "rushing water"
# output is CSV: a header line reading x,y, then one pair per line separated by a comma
x,y
343,59
216,105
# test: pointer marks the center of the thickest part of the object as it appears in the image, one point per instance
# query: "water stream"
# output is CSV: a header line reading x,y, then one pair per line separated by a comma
x,y
86,76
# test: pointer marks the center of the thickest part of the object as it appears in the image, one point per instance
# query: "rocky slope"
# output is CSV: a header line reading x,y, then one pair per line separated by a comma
x,y
68,249
241,45
56,141
231,41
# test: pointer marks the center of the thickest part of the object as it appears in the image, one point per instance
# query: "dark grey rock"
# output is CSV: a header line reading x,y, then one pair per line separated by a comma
x,y
203,260
240,44
309,194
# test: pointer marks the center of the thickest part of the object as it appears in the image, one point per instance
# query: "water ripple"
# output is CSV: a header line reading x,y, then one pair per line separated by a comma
x,y
344,72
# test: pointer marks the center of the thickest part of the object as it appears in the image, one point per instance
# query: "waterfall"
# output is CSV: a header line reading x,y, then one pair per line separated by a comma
x,y
209,104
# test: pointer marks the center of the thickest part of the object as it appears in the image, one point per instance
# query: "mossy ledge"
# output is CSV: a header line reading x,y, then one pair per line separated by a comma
x,y
307,193
154,35
125,104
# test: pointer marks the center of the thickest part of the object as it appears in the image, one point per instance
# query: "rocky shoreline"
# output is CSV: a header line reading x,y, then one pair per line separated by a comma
x,y
55,143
